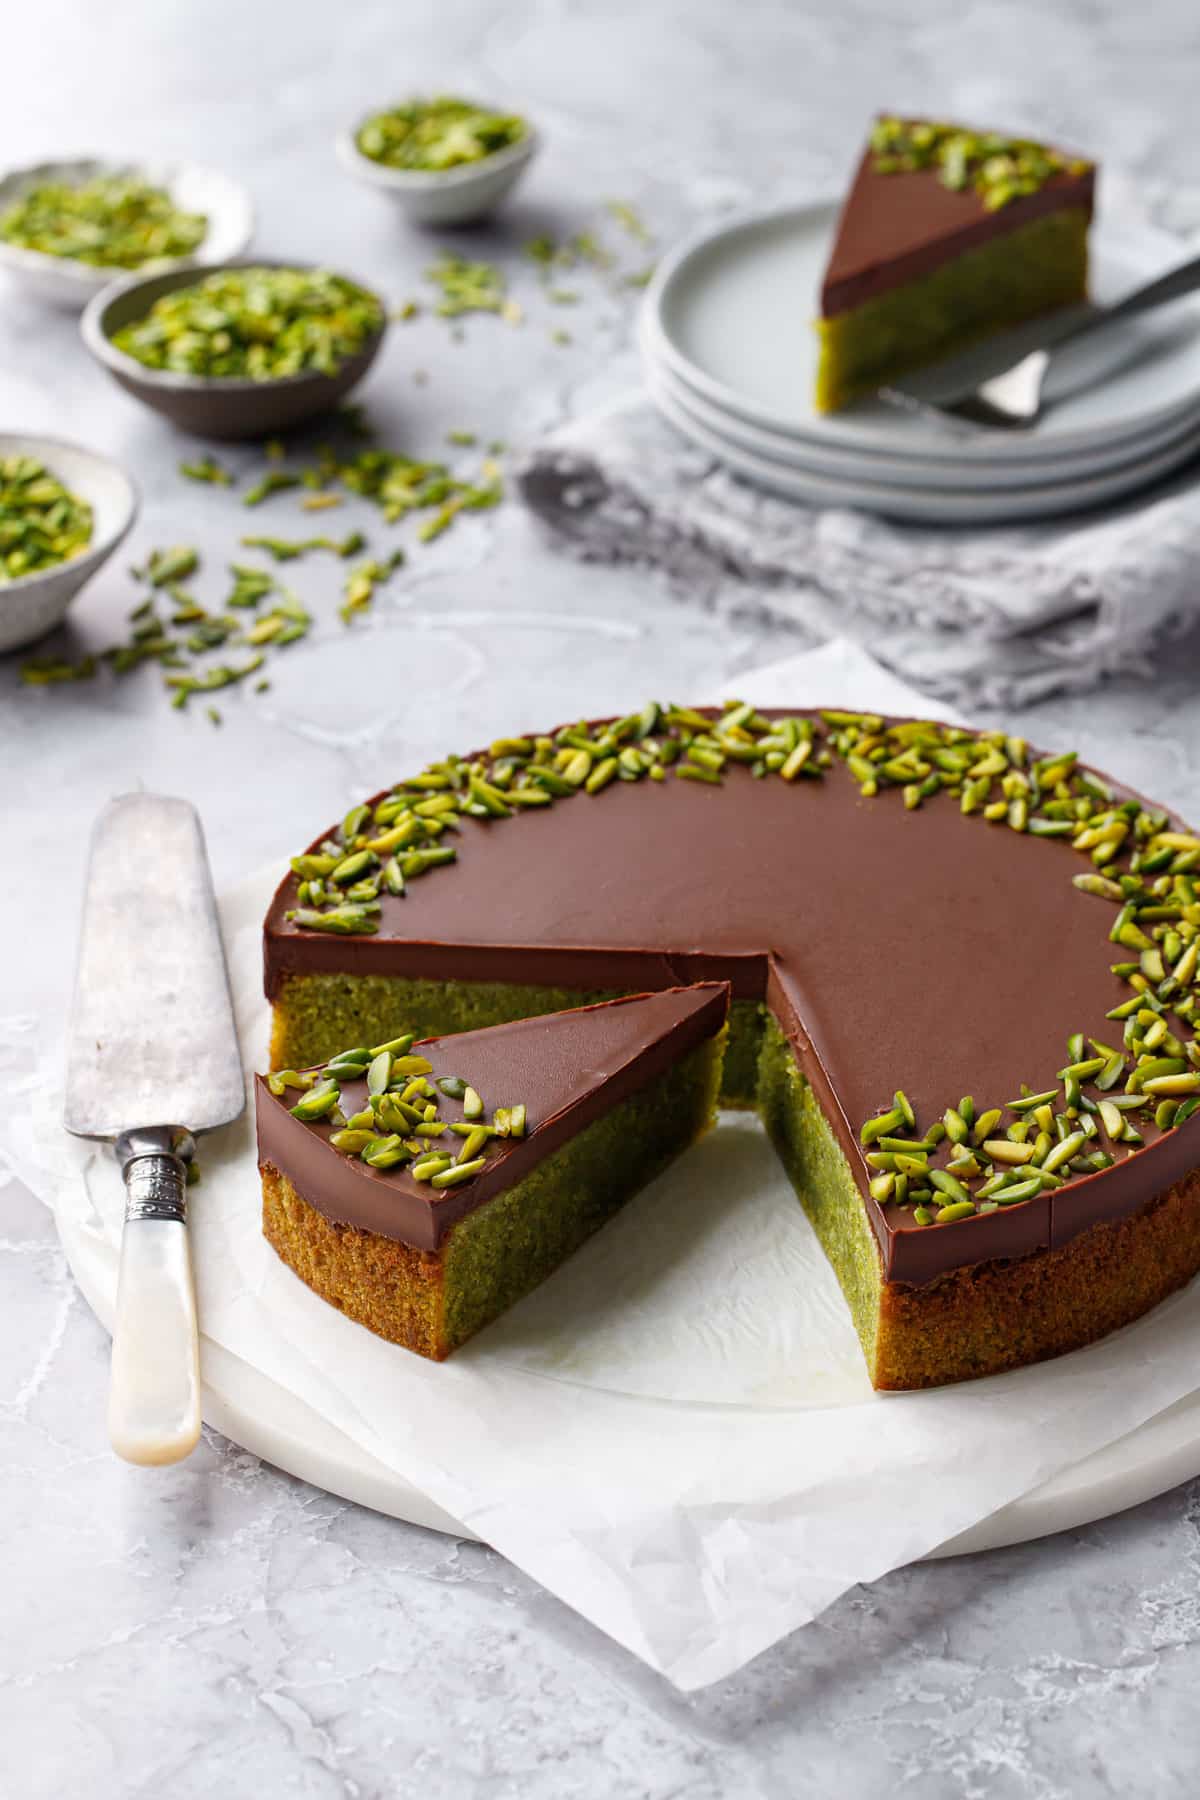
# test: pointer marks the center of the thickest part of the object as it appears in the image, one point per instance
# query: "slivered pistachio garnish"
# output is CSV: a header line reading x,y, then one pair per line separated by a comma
x,y
1149,877
112,221
400,1119
999,169
42,523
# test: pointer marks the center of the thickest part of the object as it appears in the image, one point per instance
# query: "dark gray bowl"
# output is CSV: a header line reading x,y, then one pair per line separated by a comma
x,y
206,405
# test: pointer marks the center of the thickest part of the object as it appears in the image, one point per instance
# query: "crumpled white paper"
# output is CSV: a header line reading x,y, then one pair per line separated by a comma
x,y
675,1434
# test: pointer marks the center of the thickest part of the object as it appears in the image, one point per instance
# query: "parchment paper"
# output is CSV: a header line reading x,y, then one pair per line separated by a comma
x,y
675,1434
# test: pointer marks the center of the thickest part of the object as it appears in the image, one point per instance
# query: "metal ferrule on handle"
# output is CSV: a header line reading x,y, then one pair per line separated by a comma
x,y
154,1164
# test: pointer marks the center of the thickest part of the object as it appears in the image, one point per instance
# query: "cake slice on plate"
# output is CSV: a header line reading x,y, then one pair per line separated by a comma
x,y
423,1188
947,234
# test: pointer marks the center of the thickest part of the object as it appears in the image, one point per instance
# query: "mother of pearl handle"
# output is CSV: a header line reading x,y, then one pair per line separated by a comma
x,y
154,1387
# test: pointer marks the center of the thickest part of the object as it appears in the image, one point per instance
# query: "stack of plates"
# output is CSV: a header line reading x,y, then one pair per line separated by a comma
x,y
729,356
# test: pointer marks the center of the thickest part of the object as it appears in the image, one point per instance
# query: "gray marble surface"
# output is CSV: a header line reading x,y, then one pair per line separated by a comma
x,y
220,1626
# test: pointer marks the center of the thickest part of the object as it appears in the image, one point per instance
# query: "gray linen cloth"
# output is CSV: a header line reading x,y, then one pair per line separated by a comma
x,y
1001,616
996,617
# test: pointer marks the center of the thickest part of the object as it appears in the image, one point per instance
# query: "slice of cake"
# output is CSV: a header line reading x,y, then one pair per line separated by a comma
x,y
423,1188
946,234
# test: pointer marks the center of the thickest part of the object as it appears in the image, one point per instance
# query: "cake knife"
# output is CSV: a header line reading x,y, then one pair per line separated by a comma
x,y
152,1058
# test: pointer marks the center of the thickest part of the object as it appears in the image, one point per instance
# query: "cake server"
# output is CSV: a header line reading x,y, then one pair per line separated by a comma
x,y
152,1059
1013,397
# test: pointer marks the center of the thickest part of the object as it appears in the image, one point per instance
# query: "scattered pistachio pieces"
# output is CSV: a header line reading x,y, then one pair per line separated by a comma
x,y
275,481
166,567
629,219
288,549
42,523
206,469
360,585
255,324
222,675
466,287
45,671
440,133
112,222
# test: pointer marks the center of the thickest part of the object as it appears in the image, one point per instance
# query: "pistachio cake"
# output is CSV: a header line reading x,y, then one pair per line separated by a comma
x,y
964,981
399,1189
946,234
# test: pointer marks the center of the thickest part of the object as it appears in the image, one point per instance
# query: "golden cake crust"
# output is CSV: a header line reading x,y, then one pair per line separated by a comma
x,y
973,1322
391,1288
1001,1315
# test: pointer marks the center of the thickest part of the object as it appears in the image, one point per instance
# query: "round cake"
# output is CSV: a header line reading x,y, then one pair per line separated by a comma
x,y
964,980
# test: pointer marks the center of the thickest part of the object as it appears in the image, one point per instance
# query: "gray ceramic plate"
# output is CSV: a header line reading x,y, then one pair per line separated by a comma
x,y
728,316
955,472
64,282
210,407
924,505
34,604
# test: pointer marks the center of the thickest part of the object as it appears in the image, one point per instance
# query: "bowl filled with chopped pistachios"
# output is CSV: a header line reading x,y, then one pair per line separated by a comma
x,y
63,511
246,350
444,160
68,228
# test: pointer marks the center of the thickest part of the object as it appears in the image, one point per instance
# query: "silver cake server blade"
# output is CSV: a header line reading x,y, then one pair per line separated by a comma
x,y
152,1058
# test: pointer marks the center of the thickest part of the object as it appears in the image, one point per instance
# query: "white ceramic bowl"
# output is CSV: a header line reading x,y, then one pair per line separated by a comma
x,y
442,196
61,281
34,604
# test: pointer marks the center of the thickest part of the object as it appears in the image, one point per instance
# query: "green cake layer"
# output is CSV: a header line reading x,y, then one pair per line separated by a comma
x,y
504,1250
433,1301
824,1181
1031,270
318,1015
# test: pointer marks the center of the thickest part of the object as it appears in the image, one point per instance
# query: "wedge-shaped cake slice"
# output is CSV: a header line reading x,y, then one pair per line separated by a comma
x,y
947,234
423,1188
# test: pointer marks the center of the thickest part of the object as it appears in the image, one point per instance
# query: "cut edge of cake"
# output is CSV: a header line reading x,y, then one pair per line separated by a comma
x,y
610,1094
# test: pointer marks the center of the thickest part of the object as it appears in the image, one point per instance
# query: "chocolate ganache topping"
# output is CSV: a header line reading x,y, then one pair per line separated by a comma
x,y
896,226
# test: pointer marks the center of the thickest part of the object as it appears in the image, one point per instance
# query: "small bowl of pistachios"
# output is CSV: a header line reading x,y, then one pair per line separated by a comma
x,y
63,511
68,228
445,161
247,350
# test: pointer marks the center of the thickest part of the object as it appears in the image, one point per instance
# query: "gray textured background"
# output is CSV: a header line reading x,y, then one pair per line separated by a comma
x,y
221,1627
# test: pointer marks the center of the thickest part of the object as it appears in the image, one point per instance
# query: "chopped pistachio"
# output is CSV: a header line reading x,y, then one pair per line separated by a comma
x,y
108,222
254,324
